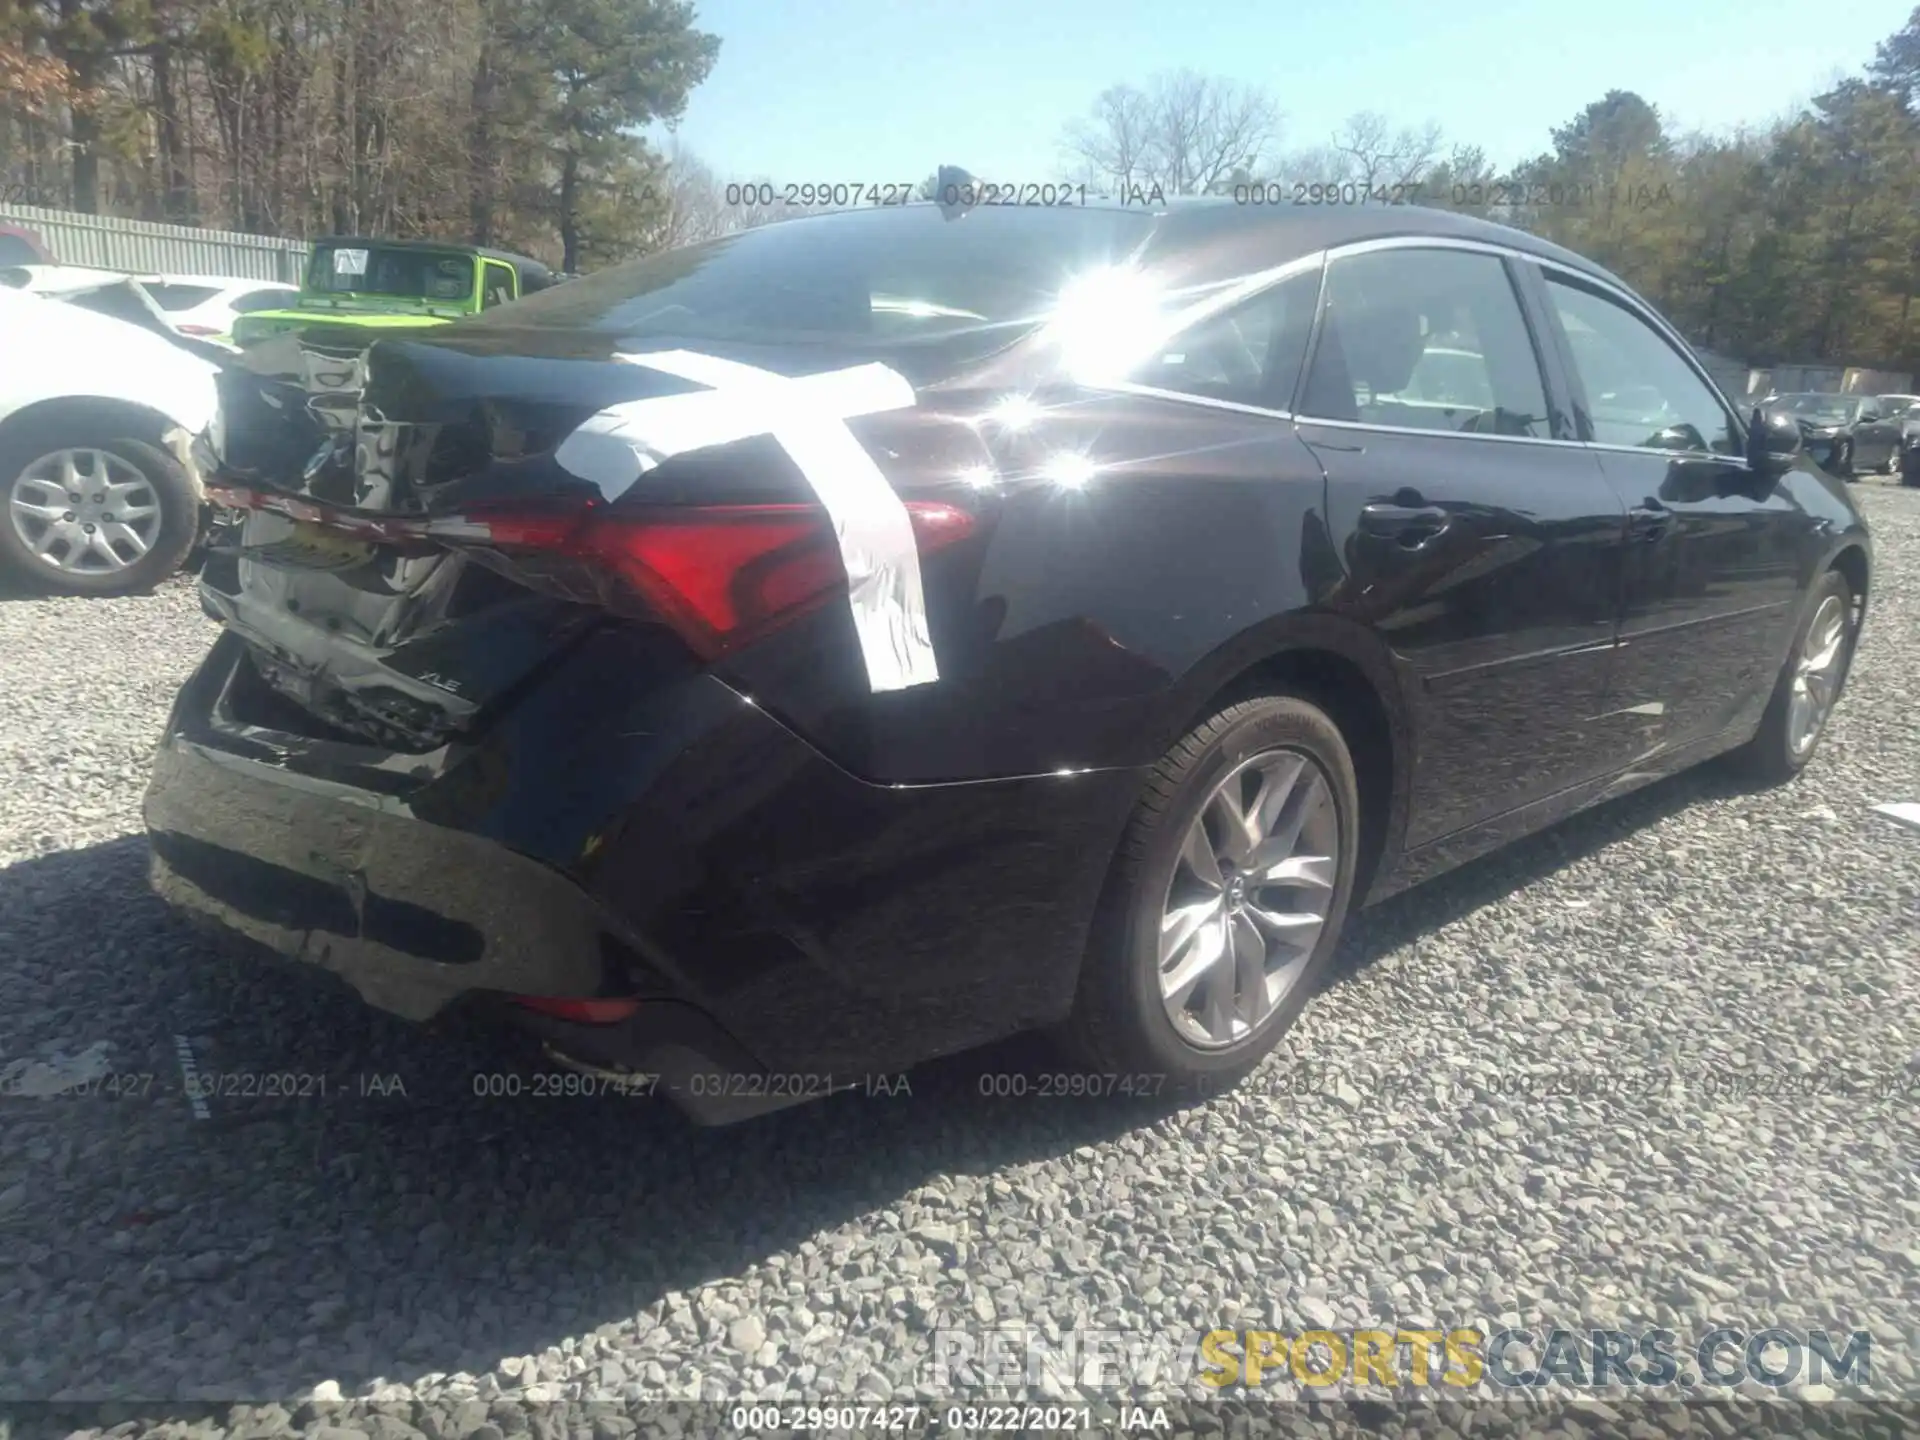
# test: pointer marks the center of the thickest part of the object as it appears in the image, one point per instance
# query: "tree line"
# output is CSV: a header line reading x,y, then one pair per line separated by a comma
x,y
517,123
508,122
1794,242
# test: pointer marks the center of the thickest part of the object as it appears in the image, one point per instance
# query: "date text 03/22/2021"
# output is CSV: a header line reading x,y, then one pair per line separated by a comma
x,y
969,1419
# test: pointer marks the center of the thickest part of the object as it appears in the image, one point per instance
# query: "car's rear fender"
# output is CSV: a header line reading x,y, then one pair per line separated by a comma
x,y
1349,672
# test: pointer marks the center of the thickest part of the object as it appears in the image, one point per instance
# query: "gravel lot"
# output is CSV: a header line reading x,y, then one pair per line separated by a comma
x,y
442,1251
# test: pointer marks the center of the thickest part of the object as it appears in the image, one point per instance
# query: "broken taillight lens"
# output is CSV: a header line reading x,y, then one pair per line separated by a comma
x,y
719,575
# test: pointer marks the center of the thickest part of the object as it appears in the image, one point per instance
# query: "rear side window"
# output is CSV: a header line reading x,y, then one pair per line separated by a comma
x,y
1249,354
1640,392
180,297
1426,340
499,285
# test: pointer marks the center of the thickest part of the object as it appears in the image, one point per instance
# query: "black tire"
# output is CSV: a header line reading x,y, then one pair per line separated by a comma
x,y
1119,1024
21,445
1768,758
1910,470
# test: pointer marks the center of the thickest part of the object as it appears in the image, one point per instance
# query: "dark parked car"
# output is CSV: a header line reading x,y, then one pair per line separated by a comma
x,y
1877,442
1906,461
1847,434
771,664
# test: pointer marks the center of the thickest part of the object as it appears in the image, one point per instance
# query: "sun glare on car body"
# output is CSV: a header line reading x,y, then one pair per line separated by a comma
x,y
1107,321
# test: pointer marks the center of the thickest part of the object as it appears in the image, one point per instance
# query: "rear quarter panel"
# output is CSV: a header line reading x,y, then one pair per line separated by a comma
x,y
1079,622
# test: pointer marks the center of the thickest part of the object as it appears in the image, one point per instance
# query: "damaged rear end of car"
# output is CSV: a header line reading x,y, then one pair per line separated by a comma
x,y
451,667
563,649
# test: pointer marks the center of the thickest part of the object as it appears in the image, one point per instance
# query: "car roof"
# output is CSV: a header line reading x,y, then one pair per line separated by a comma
x,y
219,282
1219,238
523,262
1284,232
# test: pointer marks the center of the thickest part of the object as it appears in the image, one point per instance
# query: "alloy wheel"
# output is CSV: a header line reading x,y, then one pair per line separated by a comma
x,y
1816,674
1248,898
84,511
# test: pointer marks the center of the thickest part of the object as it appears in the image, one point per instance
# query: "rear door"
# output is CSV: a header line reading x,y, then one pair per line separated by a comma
x,y
1479,540
1875,435
1713,571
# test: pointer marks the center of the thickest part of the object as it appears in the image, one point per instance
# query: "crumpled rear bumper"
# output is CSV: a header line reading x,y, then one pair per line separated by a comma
x,y
410,914
416,917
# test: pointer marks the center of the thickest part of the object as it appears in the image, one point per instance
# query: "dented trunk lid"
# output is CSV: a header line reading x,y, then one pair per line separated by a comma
x,y
390,635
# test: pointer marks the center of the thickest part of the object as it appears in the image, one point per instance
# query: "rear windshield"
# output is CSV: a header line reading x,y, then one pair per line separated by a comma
x,y
180,297
896,273
403,274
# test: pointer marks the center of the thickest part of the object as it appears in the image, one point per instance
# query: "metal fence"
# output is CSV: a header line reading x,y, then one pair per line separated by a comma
x,y
144,247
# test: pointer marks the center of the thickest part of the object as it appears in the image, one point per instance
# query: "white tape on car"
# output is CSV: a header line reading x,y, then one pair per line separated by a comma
x,y
807,416
1904,811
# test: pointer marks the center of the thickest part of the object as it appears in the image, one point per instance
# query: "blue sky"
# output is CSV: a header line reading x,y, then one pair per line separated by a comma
x,y
884,90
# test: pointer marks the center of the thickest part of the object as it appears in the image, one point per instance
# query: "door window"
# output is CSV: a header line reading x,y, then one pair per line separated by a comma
x,y
1640,391
1426,340
499,283
1249,354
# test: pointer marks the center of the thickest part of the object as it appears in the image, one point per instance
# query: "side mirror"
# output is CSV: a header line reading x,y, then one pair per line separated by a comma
x,y
1773,441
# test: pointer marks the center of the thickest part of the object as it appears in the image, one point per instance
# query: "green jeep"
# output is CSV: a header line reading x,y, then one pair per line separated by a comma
x,y
382,285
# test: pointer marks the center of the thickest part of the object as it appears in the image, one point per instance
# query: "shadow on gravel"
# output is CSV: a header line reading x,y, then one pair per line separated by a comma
x,y
146,1254
1493,877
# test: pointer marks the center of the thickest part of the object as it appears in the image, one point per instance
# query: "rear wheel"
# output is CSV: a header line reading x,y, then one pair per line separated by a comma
x,y
1810,682
90,510
1226,900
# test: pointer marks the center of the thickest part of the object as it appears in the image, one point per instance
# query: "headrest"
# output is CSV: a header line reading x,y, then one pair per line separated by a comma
x,y
1382,344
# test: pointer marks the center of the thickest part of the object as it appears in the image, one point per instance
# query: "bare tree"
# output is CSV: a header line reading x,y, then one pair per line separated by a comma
x,y
1381,155
1368,152
695,208
1112,144
1184,132
701,206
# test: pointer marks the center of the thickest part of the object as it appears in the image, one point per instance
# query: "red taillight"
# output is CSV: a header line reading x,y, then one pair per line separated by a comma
x,y
718,574
585,1012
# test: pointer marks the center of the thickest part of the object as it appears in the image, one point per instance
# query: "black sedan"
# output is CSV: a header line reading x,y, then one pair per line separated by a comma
x,y
766,665
1847,434
1906,460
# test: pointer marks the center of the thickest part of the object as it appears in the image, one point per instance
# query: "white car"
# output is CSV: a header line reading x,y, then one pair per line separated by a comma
x,y
204,305
97,419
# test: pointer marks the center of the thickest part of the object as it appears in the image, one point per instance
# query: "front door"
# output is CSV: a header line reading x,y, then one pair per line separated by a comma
x,y
1712,576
